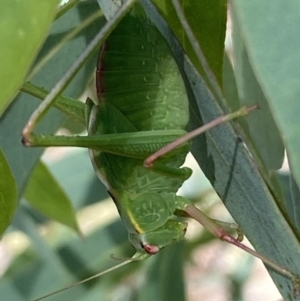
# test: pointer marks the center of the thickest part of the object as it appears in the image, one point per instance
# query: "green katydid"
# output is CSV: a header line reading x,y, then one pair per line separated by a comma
x,y
125,130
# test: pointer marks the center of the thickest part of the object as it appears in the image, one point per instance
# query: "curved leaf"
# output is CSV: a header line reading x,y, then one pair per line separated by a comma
x,y
45,194
24,27
295,196
8,194
76,170
291,197
207,19
20,159
260,126
164,280
272,41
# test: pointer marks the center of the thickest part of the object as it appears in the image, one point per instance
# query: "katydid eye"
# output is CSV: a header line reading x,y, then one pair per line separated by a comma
x,y
151,249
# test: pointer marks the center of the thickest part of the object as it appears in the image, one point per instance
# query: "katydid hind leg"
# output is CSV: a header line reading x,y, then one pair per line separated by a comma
x,y
243,111
218,231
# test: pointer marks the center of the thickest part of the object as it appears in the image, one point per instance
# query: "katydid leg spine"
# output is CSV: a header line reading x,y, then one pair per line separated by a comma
x,y
145,195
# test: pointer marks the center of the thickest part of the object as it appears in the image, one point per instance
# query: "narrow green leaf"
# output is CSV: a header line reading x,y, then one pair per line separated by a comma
x,y
229,85
45,194
291,198
24,25
271,33
76,170
207,19
295,195
164,280
9,292
266,161
230,90
8,194
261,128
22,160
23,222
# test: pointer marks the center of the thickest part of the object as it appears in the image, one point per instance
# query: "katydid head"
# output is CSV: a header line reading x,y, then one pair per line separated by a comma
x,y
153,241
149,220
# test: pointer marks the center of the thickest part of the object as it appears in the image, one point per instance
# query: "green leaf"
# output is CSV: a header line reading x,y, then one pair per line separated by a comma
x,y
8,194
292,197
273,47
229,85
261,128
9,292
24,25
164,280
76,170
295,196
45,194
231,93
207,19
20,159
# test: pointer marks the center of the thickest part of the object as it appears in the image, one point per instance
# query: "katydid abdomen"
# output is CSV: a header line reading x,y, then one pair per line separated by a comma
x,y
140,89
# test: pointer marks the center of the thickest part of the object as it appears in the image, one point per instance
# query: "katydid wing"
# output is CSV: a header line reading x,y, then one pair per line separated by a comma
x,y
158,168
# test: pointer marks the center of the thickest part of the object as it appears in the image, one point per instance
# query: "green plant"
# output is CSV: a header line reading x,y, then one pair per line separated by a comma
x,y
254,198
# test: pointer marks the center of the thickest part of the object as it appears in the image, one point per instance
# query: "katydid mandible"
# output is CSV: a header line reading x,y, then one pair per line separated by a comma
x,y
142,107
